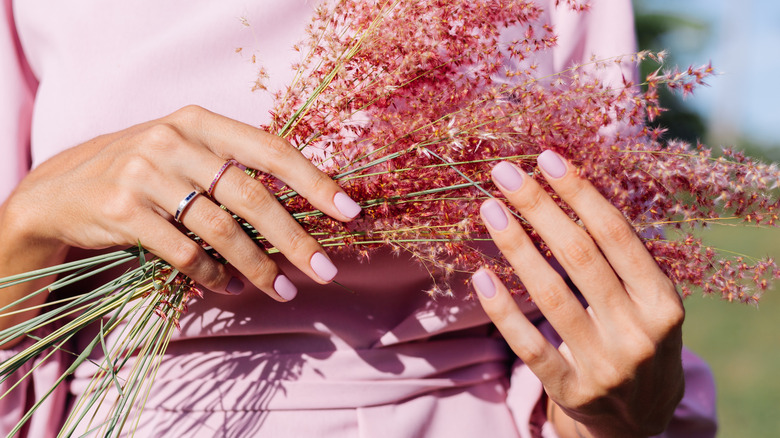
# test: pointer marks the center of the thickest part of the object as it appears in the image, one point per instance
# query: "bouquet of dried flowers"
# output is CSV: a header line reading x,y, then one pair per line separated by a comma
x,y
409,120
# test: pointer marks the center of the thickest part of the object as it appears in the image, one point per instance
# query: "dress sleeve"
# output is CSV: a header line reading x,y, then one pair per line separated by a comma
x,y
17,86
606,30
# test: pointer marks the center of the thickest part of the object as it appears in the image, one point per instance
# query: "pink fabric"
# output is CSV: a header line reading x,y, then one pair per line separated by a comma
x,y
45,371
17,87
383,361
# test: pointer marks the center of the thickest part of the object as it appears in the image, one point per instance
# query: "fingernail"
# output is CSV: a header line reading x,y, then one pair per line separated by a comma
x,y
346,205
494,215
284,287
484,284
324,268
551,163
235,286
507,175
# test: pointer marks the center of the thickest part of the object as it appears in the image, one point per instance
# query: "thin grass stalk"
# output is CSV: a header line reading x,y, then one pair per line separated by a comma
x,y
95,393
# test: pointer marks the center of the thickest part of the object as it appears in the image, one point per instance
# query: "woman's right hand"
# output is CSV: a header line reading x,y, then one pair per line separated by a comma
x,y
124,188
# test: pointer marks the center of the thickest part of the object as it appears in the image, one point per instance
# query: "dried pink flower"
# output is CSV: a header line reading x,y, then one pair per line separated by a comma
x,y
412,117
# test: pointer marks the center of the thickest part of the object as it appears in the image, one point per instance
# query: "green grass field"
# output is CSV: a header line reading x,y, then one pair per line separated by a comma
x,y
741,343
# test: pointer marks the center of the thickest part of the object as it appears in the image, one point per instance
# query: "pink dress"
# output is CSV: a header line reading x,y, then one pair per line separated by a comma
x,y
385,361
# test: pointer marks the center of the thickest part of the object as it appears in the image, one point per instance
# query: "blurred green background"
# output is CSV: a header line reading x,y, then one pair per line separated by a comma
x,y
741,343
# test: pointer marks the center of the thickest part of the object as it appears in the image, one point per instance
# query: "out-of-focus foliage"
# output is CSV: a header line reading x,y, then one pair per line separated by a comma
x,y
653,32
658,31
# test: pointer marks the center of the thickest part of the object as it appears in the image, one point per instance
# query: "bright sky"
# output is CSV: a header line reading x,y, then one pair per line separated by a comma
x,y
744,46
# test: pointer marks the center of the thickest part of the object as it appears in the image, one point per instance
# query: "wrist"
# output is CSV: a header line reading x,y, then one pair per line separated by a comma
x,y
23,247
22,251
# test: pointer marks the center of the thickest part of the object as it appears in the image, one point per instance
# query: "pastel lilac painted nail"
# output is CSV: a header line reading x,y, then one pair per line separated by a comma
x,y
284,287
507,175
484,284
324,268
234,286
346,205
551,163
494,215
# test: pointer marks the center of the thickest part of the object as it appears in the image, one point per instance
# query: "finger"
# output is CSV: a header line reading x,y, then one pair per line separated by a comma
x,y
247,198
524,339
615,237
268,153
250,200
548,290
569,243
217,227
164,240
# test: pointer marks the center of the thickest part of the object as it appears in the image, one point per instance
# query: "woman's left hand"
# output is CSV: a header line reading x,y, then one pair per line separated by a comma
x,y
618,371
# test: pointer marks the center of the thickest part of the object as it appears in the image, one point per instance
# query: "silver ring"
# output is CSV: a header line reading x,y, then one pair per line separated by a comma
x,y
183,205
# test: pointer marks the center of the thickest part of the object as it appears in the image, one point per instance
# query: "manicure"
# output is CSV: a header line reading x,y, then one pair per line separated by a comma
x,y
484,284
324,268
284,287
551,163
494,215
234,286
346,205
507,175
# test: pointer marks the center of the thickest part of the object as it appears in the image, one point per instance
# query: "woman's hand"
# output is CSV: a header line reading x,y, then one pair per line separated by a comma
x,y
125,188
618,371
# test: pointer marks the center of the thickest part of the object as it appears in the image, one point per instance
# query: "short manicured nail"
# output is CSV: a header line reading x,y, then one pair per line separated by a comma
x,y
323,267
346,205
484,284
551,163
235,286
507,175
494,215
284,287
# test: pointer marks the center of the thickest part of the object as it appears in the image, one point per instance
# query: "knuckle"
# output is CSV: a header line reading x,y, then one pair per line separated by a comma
x,y
254,194
609,380
121,207
187,257
278,147
318,181
616,229
532,352
298,241
668,312
555,297
189,114
579,252
676,316
162,137
672,317
572,188
531,201
262,272
212,279
499,314
220,223
643,350
136,168
513,245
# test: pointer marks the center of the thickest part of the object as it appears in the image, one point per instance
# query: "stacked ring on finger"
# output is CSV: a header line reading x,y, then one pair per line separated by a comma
x,y
184,204
218,175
